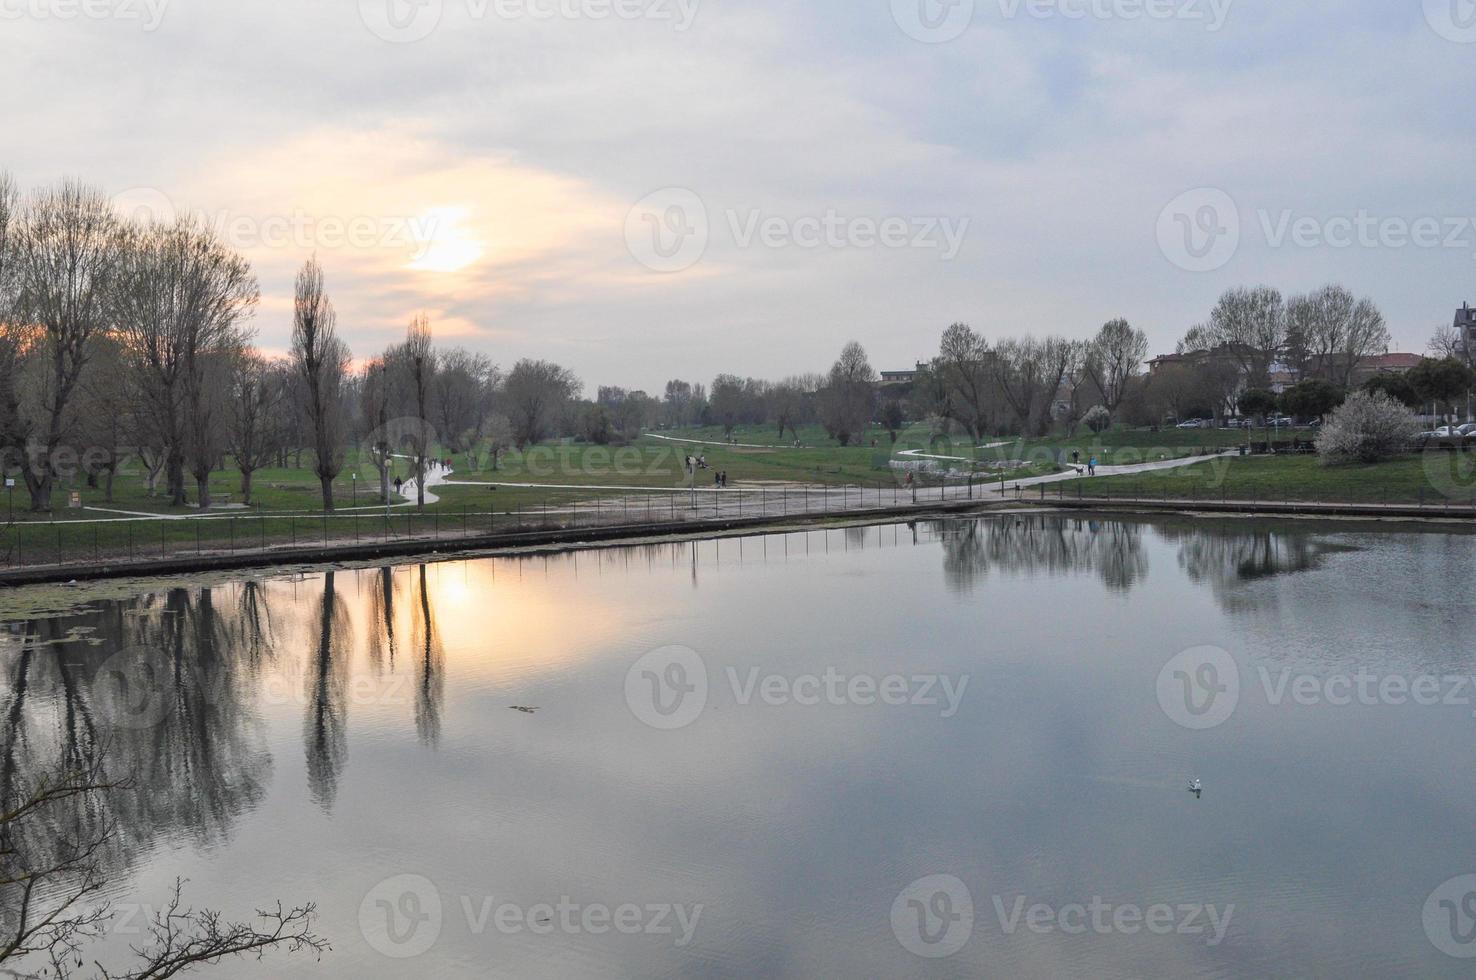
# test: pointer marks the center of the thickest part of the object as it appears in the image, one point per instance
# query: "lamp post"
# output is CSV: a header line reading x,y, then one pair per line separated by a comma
x,y
10,491
356,487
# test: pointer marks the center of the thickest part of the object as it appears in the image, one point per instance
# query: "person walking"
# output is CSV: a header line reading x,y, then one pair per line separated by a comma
x,y
1092,466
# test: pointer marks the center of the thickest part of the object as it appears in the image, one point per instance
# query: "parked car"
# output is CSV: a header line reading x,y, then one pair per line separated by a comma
x,y
1467,431
1447,432
1194,424
1279,422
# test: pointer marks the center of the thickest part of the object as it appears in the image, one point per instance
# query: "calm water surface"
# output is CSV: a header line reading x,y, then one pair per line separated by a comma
x,y
805,754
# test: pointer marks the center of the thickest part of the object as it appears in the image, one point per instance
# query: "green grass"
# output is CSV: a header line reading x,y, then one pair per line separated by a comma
x,y
1431,479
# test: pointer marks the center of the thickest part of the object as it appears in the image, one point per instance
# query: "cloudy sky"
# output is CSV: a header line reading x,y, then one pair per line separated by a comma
x,y
646,189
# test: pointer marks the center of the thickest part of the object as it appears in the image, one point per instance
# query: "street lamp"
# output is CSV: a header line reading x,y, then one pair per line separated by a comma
x,y
356,487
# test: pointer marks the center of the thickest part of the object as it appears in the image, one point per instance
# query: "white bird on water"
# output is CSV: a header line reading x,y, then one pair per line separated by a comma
x,y
1196,787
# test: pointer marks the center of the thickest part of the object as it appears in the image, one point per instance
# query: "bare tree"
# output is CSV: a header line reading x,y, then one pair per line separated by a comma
x,y
533,394
461,397
963,368
1030,374
847,400
53,890
1250,325
420,363
1113,359
376,394
106,412
321,360
1336,332
258,395
66,258
182,301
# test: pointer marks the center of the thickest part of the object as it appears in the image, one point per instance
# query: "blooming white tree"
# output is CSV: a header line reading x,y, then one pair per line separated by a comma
x,y
1369,427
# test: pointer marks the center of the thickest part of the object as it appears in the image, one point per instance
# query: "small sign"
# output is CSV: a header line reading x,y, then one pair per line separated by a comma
x,y
9,483
75,500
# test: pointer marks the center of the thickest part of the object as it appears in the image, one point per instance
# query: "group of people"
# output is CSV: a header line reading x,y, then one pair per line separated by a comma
x,y
721,480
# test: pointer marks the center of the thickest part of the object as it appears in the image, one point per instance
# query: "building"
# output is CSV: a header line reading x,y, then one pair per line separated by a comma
x,y
902,377
1372,367
1465,324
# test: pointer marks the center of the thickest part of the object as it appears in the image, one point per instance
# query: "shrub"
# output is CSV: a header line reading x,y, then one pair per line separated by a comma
x,y
1369,427
1098,419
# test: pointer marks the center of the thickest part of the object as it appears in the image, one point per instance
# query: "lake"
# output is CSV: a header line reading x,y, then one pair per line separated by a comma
x,y
945,748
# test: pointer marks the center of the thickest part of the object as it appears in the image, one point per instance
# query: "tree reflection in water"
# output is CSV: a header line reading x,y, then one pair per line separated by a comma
x,y
325,734
1041,544
1226,558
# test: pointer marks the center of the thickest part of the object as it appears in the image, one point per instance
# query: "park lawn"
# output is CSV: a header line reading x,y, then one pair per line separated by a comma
x,y
1430,479
1119,446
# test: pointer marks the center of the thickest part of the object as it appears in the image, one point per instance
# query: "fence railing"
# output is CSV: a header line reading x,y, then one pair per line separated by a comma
x,y
78,542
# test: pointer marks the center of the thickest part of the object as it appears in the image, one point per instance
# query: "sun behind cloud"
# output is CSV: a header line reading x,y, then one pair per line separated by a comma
x,y
444,245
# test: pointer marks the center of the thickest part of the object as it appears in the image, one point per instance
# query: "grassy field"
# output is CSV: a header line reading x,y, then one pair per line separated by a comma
x,y
650,463
1430,479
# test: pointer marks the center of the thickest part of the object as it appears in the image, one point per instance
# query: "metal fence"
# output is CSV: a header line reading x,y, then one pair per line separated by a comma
x,y
80,542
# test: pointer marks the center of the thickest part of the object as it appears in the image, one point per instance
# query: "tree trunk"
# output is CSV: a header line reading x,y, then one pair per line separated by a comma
x,y
202,489
327,482
40,488
108,487
246,487
174,475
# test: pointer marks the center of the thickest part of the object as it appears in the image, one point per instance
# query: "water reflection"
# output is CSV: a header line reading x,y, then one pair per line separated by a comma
x,y
326,723
1042,545
189,690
